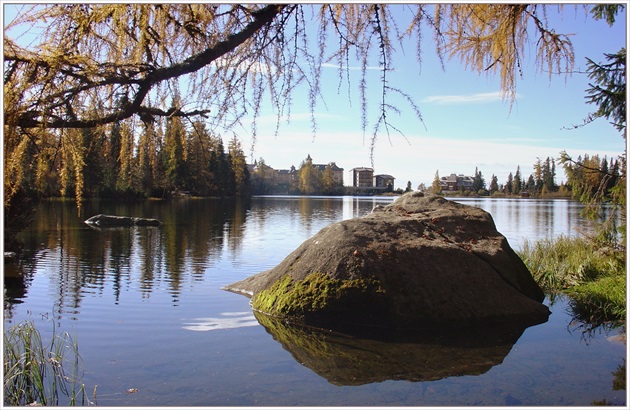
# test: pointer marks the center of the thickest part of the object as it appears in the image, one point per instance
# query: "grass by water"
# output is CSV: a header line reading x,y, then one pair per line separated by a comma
x,y
592,274
41,374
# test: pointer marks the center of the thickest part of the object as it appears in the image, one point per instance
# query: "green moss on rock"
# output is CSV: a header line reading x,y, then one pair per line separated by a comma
x,y
318,299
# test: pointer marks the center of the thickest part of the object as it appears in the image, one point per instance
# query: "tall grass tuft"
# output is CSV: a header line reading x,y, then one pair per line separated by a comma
x,y
591,273
41,374
599,302
563,262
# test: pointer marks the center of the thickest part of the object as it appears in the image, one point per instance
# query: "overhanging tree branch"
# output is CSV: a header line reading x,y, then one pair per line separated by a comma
x,y
40,115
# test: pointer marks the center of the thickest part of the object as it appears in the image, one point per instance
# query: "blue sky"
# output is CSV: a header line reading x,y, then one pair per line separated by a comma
x,y
466,122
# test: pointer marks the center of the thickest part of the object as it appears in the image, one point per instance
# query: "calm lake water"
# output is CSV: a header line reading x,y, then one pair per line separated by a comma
x,y
146,308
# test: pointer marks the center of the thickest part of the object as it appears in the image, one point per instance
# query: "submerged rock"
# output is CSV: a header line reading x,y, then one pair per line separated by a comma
x,y
420,260
102,220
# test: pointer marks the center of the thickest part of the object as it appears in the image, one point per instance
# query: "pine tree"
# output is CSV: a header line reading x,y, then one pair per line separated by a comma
x,y
517,183
200,144
549,176
112,158
609,89
221,176
94,141
435,186
71,165
478,181
147,160
509,185
538,179
531,184
494,184
613,170
46,165
174,149
238,167
124,179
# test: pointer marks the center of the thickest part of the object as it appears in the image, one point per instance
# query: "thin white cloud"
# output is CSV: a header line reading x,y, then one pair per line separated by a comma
x,y
516,140
478,98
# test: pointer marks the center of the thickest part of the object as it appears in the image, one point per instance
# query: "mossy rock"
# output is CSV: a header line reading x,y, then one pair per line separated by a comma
x,y
420,261
318,299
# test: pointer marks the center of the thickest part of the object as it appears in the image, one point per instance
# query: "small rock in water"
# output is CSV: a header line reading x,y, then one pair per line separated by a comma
x,y
102,220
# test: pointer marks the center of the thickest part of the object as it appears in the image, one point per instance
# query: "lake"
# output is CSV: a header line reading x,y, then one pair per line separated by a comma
x,y
146,308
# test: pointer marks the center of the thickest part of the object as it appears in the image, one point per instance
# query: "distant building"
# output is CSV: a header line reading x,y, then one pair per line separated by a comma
x,y
336,171
456,183
269,180
286,176
262,171
384,181
362,177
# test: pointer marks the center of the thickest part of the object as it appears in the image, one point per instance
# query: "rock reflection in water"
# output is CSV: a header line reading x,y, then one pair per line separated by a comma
x,y
346,360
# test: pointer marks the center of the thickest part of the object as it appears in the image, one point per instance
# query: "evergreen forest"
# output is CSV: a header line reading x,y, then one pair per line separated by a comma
x,y
587,176
131,159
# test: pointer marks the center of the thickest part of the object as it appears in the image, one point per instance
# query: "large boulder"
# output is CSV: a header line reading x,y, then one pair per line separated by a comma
x,y
422,260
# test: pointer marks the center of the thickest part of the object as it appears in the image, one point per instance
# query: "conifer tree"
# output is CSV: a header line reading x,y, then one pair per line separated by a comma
x,y
147,168
509,184
435,186
94,142
125,177
112,158
517,182
174,151
238,167
222,171
531,184
200,144
494,184
538,178
71,165
549,176
479,182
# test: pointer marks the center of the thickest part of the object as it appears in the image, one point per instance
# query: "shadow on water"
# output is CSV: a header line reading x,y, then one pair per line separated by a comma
x,y
346,360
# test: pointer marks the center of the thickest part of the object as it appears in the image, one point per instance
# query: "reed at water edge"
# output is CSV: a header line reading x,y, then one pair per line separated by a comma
x,y
41,374
592,274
